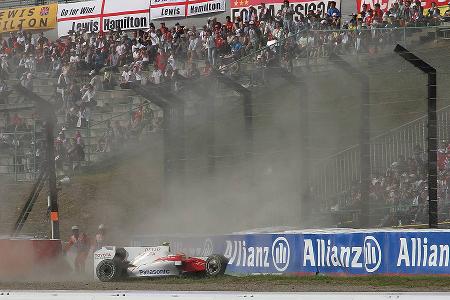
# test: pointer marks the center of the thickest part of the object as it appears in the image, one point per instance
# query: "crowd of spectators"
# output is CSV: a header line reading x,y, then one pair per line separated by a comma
x,y
399,196
85,63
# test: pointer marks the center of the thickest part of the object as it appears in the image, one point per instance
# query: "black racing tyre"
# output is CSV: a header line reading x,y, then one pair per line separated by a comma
x,y
215,265
109,270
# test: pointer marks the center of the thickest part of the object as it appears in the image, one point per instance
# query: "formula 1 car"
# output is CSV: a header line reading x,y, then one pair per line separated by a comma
x,y
113,263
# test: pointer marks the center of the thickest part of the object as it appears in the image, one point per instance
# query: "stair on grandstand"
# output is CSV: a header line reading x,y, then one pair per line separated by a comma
x,y
111,103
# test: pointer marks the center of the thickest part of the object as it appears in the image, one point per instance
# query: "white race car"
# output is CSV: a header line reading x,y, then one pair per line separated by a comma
x,y
113,263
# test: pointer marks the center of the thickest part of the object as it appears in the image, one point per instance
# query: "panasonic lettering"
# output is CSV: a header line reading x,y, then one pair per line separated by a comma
x,y
153,272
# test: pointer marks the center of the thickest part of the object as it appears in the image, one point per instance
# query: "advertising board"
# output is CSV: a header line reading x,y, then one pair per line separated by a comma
x,y
28,18
160,9
102,16
334,253
239,8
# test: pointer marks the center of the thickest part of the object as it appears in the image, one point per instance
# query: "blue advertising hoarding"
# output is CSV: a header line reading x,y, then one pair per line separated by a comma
x,y
328,252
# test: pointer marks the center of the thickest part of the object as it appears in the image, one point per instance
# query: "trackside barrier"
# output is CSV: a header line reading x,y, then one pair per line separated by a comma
x,y
23,257
331,252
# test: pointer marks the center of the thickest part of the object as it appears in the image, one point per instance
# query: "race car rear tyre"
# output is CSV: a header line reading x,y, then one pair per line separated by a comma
x,y
109,270
215,265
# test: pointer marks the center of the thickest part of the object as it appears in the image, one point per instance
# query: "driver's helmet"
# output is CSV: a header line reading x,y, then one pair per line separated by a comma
x,y
166,244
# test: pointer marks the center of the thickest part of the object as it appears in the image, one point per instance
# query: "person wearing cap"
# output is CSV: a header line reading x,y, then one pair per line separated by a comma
x,y
100,237
81,244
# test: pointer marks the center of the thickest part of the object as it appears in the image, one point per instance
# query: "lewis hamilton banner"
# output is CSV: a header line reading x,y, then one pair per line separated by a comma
x,y
161,9
103,16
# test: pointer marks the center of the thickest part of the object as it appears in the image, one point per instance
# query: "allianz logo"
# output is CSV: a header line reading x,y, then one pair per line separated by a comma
x,y
242,255
322,253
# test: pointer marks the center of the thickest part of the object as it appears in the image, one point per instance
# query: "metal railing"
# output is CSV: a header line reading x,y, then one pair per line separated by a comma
x,y
20,153
306,46
340,172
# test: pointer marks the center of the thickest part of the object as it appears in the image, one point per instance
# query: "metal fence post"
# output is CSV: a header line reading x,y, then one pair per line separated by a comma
x,y
307,47
404,35
88,133
432,131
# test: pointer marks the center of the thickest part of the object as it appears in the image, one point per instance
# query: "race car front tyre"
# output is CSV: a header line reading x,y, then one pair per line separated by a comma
x,y
215,265
109,270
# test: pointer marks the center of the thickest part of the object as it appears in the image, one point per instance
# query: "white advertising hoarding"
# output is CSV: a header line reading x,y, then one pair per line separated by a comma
x,y
160,9
103,16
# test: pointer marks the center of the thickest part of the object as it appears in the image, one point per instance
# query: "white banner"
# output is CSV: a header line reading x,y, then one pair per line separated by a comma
x,y
103,16
300,7
160,9
205,7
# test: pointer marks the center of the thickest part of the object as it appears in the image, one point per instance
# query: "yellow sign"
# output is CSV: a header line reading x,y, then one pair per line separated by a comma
x,y
28,18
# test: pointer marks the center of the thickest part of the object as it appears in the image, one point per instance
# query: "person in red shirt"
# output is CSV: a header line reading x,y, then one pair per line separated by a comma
x,y
82,245
368,20
161,60
378,14
229,25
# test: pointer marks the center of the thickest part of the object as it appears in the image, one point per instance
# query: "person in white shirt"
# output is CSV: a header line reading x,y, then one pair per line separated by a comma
x,y
30,64
171,60
156,75
210,45
193,46
88,95
96,81
74,57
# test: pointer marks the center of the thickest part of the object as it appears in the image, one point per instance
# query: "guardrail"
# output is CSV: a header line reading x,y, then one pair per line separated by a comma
x,y
335,252
340,172
21,151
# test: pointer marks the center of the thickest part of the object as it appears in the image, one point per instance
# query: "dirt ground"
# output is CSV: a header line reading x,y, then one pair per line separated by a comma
x,y
263,283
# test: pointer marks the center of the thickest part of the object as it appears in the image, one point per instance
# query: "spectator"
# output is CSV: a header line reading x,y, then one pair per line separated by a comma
x,y
447,12
210,45
108,79
88,96
434,11
332,10
4,92
27,81
287,14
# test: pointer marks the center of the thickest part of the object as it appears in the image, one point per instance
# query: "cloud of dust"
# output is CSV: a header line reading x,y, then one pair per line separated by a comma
x,y
251,187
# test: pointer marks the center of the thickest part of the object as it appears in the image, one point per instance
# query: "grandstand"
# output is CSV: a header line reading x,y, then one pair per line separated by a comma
x,y
265,127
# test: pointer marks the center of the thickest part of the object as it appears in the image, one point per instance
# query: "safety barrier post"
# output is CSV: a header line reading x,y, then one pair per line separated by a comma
x,y
432,131
88,140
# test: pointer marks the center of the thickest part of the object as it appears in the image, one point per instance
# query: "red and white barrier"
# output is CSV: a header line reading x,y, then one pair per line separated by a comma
x,y
21,257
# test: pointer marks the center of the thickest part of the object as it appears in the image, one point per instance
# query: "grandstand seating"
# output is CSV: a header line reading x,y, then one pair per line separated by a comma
x,y
118,103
